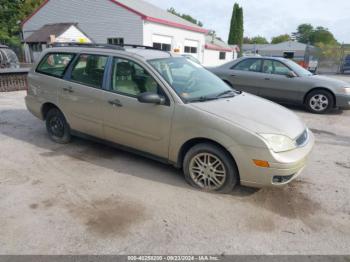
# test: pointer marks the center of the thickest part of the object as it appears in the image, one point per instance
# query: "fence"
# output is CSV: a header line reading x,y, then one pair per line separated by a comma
x,y
13,80
332,57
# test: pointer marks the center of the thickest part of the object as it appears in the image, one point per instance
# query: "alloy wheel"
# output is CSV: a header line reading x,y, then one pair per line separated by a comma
x,y
207,171
319,102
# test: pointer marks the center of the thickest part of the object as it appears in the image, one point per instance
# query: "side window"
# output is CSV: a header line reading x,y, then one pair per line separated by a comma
x,y
275,67
280,69
89,70
54,64
131,79
253,65
268,67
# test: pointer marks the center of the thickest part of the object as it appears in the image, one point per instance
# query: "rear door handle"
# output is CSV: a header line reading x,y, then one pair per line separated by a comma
x,y
68,89
115,102
266,78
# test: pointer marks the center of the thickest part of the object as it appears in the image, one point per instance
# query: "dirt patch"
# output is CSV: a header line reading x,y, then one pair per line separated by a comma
x,y
288,201
343,164
109,217
83,151
48,203
36,182
33,206
260,223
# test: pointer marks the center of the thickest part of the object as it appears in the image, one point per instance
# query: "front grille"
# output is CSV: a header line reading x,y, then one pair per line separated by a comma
x,y
302,139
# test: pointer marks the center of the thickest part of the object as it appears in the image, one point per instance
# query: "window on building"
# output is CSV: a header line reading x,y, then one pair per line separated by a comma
x,y
115,41
89,70
36,47
190,50
161,46
54,64
222,55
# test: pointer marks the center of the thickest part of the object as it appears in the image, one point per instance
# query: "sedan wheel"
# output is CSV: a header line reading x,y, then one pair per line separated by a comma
x,y
210,168
319,101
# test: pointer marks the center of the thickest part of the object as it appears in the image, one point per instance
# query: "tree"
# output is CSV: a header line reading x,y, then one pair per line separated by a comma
x,y
255,40
304,32
280,39
12,12
237,28
322,35
185,16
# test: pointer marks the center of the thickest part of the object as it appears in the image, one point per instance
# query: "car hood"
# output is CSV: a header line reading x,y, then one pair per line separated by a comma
x,y
324,81
255,114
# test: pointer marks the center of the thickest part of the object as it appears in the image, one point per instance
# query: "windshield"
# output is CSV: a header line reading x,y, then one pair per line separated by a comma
x,y
299,70
189,80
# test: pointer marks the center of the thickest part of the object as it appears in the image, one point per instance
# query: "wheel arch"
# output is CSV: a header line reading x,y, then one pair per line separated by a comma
x,y
195,141
45,108
321,88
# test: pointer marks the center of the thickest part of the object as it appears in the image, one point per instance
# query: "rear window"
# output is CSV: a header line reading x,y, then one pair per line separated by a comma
x,y
54,64
89,70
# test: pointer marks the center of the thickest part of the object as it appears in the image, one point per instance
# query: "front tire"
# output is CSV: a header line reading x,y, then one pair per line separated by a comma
x,y
57,126
209,168
319,101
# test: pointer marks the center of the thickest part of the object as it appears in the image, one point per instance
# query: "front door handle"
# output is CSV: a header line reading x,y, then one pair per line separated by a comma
x,y
266,78
68,89
115,102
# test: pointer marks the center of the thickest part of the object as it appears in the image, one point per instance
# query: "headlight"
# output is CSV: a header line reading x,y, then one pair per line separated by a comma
x,y
279,143
347,90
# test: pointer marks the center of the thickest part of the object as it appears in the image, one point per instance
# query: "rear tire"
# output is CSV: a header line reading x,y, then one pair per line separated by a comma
x,y
57,126
209,168
319,101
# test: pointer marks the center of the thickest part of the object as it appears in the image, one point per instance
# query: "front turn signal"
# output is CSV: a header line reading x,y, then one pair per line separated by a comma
x,y
261,163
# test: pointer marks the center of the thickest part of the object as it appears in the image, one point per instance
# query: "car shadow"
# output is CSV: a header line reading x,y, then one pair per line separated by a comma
x,y
19,124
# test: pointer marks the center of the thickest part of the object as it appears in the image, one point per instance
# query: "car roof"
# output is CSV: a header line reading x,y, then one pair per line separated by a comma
x,y
265,57
144,53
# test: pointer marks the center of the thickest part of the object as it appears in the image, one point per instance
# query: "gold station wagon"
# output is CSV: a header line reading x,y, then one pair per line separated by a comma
x,y
169,108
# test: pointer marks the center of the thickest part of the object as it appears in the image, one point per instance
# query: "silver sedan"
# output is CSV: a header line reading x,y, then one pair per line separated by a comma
x,y
284,81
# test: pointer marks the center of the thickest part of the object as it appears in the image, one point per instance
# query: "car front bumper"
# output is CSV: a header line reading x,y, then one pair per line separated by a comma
x,y
343,101
283,167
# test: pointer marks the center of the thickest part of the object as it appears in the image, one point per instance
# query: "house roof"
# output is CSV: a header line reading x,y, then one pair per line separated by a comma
x,y
285,46
252,47
147,12
43,34
214,43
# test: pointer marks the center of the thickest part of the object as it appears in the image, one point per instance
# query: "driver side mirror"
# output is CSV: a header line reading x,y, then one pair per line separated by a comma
x,y
151,98
291,74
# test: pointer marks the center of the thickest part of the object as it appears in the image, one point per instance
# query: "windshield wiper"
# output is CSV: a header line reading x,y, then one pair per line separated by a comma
x,y
227,93
203,99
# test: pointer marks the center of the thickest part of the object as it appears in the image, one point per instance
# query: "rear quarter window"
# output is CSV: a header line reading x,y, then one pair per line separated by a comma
x,y
55,64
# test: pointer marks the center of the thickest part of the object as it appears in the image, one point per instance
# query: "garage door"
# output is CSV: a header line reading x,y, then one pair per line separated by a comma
x,y
162,42
191,47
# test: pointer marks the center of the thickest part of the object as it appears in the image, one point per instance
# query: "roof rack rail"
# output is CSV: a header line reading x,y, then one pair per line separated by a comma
x,y
90,45
139,46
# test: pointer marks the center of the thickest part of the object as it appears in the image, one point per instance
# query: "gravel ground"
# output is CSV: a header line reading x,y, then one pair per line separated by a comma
x,y
86,198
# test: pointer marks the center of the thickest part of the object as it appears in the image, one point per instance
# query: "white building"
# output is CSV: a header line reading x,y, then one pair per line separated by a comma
x,y
127,22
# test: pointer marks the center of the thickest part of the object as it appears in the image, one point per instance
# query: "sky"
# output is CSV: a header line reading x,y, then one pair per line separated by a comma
x,y
267,18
